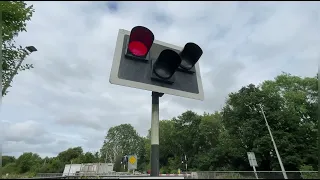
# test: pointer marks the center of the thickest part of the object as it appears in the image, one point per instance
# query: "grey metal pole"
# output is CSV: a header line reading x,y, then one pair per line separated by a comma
x,y
155,134
274,144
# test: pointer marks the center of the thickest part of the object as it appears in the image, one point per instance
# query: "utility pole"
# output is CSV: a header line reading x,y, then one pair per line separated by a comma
x,y
274,144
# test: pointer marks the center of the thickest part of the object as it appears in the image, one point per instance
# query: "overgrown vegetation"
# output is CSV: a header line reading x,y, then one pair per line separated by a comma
x,y
15,15
217,141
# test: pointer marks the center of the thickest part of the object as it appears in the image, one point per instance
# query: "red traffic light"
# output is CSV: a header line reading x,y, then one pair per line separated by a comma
x,y
140,42
190,54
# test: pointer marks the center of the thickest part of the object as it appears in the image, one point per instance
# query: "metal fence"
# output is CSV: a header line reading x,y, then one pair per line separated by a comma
x,y
48,174
205,175
82,174
86,175
251,175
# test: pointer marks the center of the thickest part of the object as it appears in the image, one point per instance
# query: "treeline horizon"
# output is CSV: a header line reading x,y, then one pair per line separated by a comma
x,y
216,141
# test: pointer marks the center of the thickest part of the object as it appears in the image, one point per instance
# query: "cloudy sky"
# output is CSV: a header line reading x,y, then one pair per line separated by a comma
x,y
67,100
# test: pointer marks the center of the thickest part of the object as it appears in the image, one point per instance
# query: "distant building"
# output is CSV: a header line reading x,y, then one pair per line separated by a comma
x,y
87,169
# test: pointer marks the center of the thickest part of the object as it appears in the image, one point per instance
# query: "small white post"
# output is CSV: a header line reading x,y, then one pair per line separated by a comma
x,y
185,159
70,168
255,172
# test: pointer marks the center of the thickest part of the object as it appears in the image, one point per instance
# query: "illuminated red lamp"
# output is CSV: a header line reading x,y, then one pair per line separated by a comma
x,y
140,42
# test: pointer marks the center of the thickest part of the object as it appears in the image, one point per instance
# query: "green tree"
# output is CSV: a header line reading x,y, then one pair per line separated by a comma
x,y
145,165
167,140
208,141
15,15
300,100
97,157
144,154
285,101
56,166
69,154
28,162
8,159
217,141
121,140
10,168
186,135
87,157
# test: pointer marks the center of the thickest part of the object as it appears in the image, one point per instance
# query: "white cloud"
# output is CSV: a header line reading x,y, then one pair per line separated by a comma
x,y
67,100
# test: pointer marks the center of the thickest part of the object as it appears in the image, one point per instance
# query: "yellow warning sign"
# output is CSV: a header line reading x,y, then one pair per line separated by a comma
x,y
132,160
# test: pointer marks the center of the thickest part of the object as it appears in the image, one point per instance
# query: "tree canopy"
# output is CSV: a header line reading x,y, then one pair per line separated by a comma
x,y
214,141
15,15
